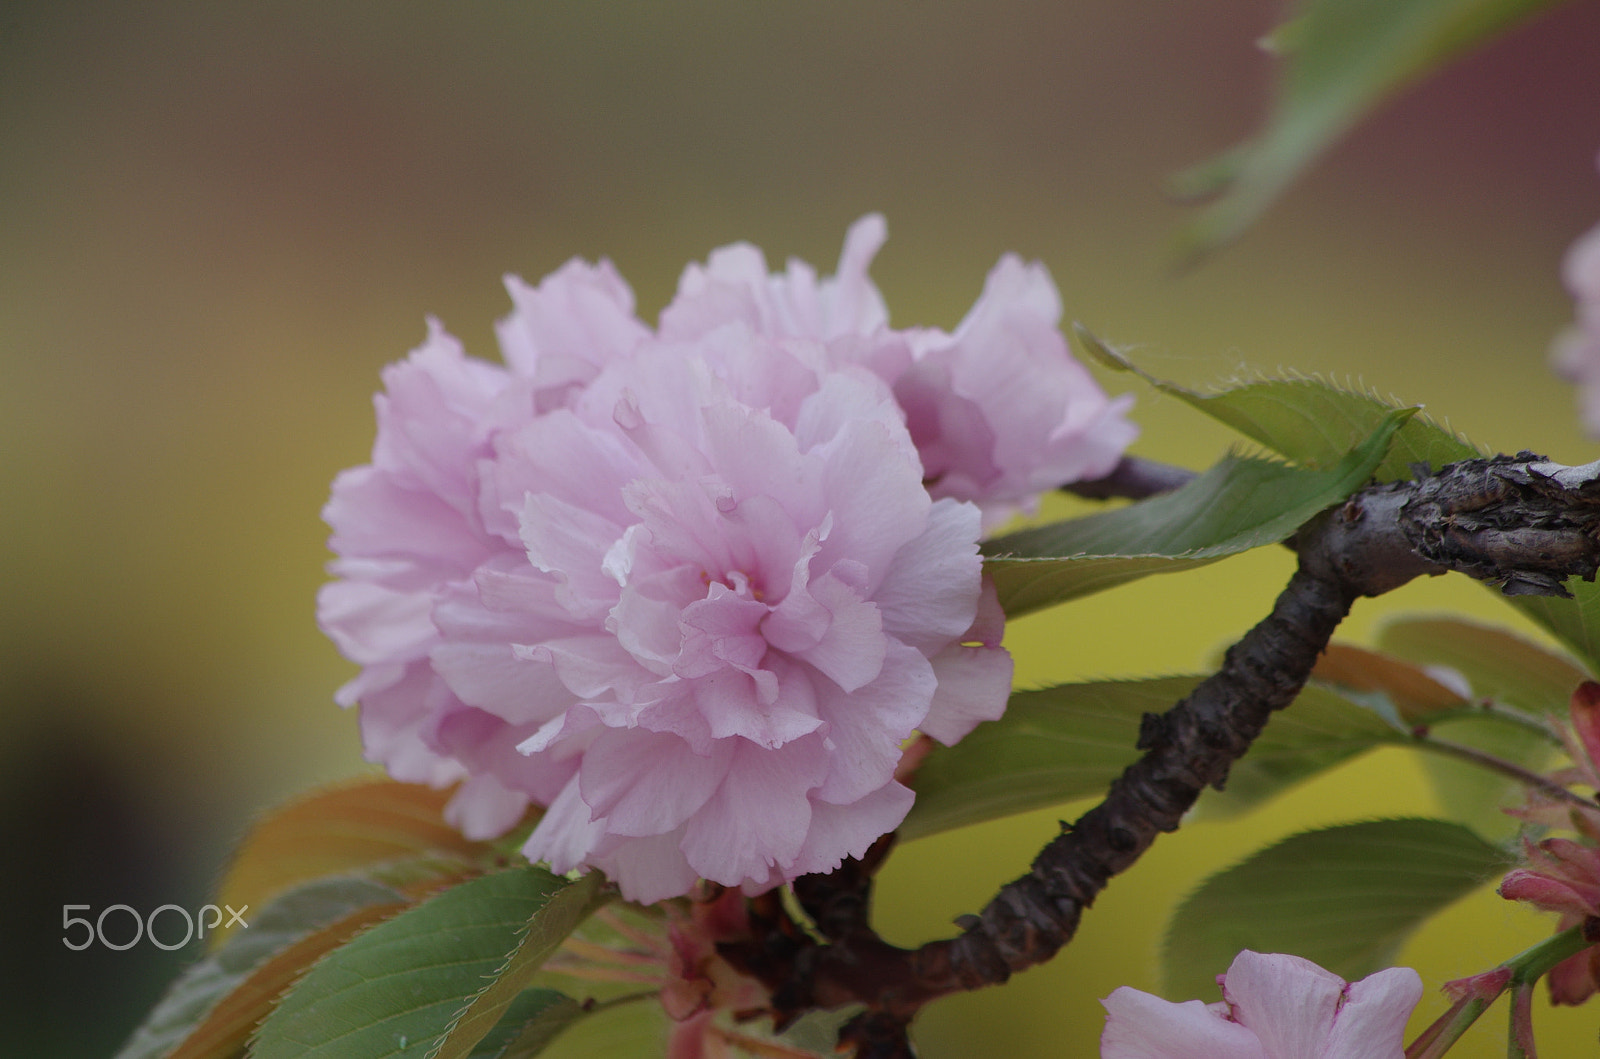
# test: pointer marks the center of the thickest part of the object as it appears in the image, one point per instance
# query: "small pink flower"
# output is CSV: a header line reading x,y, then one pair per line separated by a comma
x,y
1274,1006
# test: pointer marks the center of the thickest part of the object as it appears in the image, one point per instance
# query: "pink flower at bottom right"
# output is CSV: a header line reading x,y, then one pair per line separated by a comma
x,y
1274,1006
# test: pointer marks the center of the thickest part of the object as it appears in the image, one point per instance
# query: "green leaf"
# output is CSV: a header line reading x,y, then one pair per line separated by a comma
x,y
1575,622
187,1021
534,1019
394,990
1472,794
1343,58
1237,505
1070,741
545,932
1346,897
1497,664
1053,745
1307,421
1400,690
342,830
1468,791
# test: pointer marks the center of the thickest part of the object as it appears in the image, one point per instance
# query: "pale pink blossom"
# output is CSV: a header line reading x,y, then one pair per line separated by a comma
x,y
1576,352
1000,411
1274,1006
689,593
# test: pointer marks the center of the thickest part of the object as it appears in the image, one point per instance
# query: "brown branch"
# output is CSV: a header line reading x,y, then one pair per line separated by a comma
x,y
1521,522
1133,478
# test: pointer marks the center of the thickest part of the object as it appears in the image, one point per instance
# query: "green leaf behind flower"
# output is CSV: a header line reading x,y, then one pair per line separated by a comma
x,y
400,988
544,933
209,1011
1575,622
1307,421
1070,741
1521,679
342,830
1346,897
1497,664
1239,504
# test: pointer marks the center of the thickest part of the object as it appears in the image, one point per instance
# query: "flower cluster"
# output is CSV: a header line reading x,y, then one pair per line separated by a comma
x,y
691,588
1563,875
1274,1006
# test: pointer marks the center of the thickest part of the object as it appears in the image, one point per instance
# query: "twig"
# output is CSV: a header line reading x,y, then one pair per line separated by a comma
x,y
1528,778
1133,478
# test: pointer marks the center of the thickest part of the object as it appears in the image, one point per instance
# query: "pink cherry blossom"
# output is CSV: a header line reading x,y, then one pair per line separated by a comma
x,y
1000,411
688,592
1576,352
1274,1006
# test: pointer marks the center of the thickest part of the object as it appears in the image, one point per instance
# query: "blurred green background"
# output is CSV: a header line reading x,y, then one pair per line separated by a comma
x,y
218,221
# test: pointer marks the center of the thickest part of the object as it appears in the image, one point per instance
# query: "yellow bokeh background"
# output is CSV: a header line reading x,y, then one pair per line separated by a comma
x,y
217,222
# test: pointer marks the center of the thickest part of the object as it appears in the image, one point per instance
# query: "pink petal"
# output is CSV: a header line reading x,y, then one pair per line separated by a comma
x,y
562,332
720,631
483,808
1141,1026
1372,1022
569,543
373,624
851,650
843,399
839,831
647,783
434,419
393,721
1573,980
647,870
592,667
492,677
1287,1002
867,726
732,705
757,820
974,686
876,497
1552,895
928,596
373,515
567,834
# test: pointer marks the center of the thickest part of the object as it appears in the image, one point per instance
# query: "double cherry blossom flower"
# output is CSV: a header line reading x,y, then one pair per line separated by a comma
x,y
690,589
